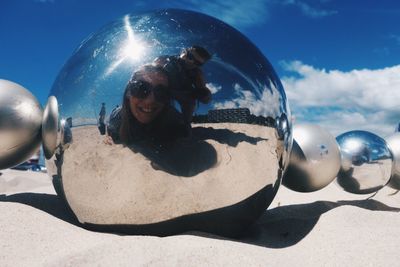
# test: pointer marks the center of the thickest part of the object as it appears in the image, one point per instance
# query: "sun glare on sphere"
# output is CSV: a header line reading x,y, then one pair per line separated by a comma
x,y
353,144
133,49
26,109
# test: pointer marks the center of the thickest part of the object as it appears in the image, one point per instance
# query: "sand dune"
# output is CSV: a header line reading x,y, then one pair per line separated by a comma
x,y
328,227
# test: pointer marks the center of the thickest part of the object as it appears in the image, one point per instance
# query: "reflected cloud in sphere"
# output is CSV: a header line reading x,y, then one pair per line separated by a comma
x,y
219,178
366,162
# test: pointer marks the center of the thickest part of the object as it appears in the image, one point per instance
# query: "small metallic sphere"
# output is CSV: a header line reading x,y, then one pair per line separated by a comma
x,y
366,162
393,143
50,127
20,124
314,161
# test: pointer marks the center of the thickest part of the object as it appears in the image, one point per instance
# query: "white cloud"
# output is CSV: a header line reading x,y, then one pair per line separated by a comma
x,y
243,14
396,38
231,68
237,13
214,88
268,105
341,101
309,10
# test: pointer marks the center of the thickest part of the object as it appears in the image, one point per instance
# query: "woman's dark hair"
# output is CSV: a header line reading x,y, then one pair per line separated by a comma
x,y
128,121
201,51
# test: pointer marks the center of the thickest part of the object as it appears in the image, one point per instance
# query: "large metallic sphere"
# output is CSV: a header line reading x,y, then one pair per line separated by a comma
x,y
220,178
20,124
366,162
393,143
314,161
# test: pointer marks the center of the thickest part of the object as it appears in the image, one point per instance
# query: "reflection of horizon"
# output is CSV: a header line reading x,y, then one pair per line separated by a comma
x,y
366,178
235,115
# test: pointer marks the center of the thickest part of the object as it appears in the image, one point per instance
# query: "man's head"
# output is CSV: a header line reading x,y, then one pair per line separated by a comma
x,y
195,56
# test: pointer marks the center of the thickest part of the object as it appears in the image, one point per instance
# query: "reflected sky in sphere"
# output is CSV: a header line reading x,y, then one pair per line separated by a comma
x,y
238,74
366,162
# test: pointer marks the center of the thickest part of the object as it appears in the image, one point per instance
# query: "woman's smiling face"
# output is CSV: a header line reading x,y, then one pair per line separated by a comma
x,y
145,110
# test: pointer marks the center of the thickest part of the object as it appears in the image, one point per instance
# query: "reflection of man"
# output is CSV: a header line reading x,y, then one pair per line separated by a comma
x,y
186,79
102,117
67,133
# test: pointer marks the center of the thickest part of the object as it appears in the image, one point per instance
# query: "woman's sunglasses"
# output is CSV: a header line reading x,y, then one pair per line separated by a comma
x,y
142,89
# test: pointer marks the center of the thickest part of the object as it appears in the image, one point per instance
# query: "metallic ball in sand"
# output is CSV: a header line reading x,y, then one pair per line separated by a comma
x,y
393,143
366,162
50,127
314,161
20,124
128,159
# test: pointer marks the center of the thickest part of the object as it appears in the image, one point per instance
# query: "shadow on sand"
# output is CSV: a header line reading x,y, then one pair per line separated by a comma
x,y
51,204
287,225
277,228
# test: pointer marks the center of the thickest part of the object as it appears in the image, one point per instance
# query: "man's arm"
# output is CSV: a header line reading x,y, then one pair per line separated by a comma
x,y
160,61
203,93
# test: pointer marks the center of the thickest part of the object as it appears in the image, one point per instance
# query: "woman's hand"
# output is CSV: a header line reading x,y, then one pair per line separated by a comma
x,y
108,140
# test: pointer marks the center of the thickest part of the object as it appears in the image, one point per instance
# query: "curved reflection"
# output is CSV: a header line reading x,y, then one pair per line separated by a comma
x,y
314,159
137,151
366,162
393,142
20,124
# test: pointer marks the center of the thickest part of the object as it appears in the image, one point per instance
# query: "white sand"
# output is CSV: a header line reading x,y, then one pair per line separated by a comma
x,y
113,185
325,228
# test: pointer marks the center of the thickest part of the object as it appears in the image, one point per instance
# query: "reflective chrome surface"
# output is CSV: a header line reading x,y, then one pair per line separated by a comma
x,y
314,161
219,179
20,122
50,127
393,143
366,162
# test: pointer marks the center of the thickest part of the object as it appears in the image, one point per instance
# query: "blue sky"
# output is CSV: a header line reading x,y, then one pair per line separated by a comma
x,y
339,61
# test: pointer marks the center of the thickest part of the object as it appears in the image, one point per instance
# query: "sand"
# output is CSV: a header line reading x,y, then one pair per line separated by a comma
x,y
115,184
326,228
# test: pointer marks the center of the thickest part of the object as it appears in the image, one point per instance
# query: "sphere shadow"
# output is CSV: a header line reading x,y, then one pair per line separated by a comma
x,y
227,221
293,170
185,159
277,228
287,225
347,181
188,157
49,203
224,136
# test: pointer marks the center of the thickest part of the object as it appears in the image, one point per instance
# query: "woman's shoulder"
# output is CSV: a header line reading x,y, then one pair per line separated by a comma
x,y
114,123
172,115
171,124
116,113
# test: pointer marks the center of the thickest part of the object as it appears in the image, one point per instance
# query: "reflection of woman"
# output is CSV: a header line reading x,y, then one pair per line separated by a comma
x,y
146,112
